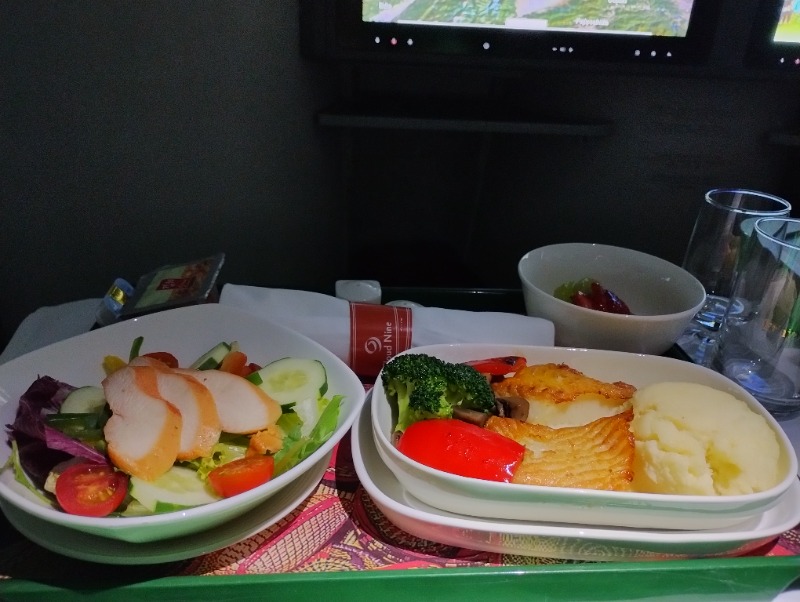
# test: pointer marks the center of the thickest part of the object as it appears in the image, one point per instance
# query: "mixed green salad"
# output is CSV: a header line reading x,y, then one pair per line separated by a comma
x,y
156,436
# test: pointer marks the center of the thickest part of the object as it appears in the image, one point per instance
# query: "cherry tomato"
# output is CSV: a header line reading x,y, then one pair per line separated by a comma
x,y
91,489
241,475
250,368
498,366
461,448
163,356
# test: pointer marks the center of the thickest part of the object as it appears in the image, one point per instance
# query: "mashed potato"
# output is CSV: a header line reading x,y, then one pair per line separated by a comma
x,y
693,439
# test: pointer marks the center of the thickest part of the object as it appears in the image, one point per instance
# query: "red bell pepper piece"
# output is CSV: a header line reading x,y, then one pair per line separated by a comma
x,y
499,366
462,448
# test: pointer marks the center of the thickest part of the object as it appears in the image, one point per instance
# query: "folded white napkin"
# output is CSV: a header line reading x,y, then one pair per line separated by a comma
x,y
51,324
326,319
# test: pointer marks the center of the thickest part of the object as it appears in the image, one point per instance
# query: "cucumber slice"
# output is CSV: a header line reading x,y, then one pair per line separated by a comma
x,y
84,400
177,488
292,379
212,358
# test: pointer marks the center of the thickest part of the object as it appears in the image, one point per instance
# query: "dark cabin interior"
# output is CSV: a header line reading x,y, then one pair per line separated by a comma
x,y
137,134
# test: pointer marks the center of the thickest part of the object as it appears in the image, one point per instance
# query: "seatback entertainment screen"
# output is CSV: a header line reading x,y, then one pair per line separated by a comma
x,y
512,34
788,27
667,18
775,38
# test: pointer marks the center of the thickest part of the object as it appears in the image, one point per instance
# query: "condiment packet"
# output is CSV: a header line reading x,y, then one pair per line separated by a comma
x,y
174,285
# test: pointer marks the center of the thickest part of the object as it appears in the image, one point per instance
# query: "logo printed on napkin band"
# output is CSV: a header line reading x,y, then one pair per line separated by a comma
x,y
377,333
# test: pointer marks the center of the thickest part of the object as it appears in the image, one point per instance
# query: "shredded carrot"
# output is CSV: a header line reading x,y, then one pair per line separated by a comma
x,y
234,362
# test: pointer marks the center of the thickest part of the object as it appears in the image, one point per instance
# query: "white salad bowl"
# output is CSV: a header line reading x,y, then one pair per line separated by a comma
x,y
187,333
662,296
493,500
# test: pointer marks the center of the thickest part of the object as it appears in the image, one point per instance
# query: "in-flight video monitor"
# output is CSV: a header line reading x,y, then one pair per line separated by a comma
x,y
775,42
519,32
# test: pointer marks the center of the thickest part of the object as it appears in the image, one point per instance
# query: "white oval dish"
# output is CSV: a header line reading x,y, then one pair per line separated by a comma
x,y
550,540
107,550
187,333
662,296
489,499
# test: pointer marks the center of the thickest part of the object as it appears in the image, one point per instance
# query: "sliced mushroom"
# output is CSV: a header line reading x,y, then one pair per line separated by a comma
x,y
472,416
513,407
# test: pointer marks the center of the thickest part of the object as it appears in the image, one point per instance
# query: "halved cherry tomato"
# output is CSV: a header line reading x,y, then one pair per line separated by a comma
x,y
241,475
250,368
462,448
234,362
498,366
163,356
90,489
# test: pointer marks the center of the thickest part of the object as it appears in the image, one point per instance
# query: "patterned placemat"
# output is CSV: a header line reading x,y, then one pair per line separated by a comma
x,y
339,528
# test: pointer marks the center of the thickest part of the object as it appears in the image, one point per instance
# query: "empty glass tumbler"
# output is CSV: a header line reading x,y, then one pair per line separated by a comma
x,y
722,226
759,343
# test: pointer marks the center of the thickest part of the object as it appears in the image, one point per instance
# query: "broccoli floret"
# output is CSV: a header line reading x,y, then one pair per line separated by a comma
x,y
425,387
469,388
416,383
428,400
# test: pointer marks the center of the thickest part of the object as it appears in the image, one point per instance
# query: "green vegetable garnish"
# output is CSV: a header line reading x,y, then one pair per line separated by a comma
x,y
136,346
566,291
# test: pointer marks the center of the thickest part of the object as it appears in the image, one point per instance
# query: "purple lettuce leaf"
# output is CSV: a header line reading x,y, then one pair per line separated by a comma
x,y
40,446
57,440
44,396
36,459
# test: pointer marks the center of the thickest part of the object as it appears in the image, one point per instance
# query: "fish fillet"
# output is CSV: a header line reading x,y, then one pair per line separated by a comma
x,y
560,396
598,455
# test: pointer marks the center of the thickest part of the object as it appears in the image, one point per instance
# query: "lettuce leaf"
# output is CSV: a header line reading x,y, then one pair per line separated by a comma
x,y
57,440
297,447
39,446
21,476
44,396
227,449
567,290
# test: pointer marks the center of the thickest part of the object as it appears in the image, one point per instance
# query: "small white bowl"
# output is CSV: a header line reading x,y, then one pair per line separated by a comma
x,y
187,333
493,500
662,297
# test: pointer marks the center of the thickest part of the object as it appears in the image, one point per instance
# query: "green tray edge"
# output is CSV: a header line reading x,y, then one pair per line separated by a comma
x,y
729,579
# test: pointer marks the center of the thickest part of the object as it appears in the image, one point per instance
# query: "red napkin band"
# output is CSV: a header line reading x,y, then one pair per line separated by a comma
x,y
377,333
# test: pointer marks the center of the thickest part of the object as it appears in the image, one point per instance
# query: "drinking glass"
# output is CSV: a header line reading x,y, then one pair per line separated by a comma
x,y
713,256
759,343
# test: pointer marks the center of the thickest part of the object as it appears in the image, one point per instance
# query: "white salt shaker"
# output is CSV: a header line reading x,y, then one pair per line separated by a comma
x,y
359,291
